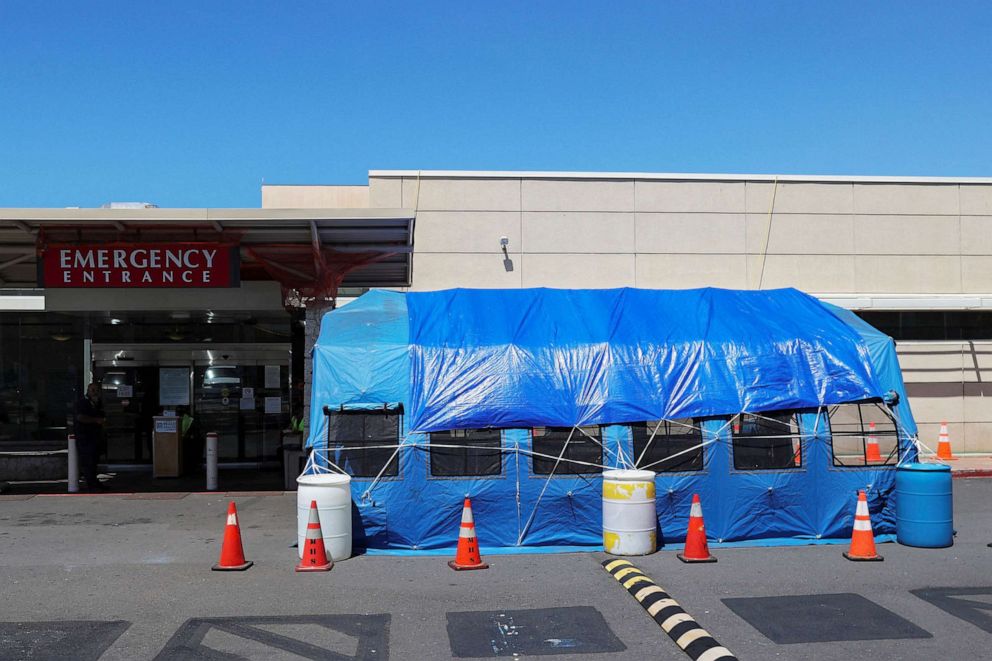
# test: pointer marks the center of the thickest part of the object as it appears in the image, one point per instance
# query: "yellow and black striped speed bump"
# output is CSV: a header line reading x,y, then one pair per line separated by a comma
x,y
685,631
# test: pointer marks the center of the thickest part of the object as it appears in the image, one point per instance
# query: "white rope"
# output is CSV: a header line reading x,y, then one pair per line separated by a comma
x,y
516,462
648,444
368,492
313,465
530,519
678,454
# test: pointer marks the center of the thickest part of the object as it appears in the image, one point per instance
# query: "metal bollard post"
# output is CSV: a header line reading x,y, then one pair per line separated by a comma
x,y
73,465
212,461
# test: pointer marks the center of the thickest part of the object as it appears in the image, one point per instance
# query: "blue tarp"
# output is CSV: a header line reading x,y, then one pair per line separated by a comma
x,y
518,359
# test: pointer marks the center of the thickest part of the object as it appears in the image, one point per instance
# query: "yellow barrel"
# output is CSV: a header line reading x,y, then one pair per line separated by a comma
x,y
630,522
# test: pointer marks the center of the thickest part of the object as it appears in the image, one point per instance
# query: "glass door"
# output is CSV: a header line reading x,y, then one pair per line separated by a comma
x,y
247,405
130,399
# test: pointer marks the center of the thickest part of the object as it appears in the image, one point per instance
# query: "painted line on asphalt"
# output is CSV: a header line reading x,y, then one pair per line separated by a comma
x,y
679,625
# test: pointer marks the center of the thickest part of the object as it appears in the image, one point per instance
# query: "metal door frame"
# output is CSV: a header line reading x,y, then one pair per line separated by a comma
x,y
192,355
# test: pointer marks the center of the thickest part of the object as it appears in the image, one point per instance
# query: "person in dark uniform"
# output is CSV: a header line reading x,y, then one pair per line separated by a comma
x,y
89,430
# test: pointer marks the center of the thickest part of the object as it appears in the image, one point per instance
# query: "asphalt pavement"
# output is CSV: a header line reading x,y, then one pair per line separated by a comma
x,y
128,577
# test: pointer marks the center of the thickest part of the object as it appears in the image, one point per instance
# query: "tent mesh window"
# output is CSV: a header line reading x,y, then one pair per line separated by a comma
x,y
850,428
358,435
766,441
678,439
472,459
550,441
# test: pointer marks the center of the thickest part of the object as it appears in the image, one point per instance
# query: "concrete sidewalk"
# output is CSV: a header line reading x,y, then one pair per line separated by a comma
x,y
972,465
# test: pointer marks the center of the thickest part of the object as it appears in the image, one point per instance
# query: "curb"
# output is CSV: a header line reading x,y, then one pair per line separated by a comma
x,y
679,625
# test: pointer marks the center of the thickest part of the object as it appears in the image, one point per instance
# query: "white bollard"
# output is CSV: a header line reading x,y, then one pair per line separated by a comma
x,y
73,465
212,461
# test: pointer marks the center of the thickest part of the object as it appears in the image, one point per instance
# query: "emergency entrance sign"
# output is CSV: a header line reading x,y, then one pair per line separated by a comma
x,y
140,265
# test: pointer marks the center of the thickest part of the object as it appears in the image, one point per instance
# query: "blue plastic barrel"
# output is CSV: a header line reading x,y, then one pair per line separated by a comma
x,y
924,506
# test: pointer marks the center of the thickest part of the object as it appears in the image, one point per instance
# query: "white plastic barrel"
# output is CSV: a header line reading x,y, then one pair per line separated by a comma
x,y
630,524
332,491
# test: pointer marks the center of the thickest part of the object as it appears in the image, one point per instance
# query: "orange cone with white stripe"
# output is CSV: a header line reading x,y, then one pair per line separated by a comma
x,y
696,549
314,556
467,556
944,444
862,538
797,453
871,446
232,554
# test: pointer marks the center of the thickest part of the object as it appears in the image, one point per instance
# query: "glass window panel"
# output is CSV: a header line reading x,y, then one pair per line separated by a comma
x,y
675,445
478,453
851,427
358,433
551,440
766,441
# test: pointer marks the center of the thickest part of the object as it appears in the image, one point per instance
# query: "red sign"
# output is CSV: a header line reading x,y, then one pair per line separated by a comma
x,y
140,265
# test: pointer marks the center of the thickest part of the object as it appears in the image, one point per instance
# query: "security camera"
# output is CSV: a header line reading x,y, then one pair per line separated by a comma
x,y
504,241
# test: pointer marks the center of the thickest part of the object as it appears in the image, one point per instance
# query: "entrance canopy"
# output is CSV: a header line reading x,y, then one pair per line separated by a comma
x,y
314,251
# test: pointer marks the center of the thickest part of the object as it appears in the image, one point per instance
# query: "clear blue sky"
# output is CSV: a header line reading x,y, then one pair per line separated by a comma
x,y
195,103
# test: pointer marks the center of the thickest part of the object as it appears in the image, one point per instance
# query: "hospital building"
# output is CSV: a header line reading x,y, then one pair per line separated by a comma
x,y
208,315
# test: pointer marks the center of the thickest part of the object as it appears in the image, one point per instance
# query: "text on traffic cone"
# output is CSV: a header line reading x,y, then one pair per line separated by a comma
x,y
467,556
696,549
862,539
232,554
314,556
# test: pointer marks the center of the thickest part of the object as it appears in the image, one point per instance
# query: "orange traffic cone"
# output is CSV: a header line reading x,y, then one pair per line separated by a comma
x,y
862,539
696,549
871,446
467,556
232,554
944,444
797,452
314,556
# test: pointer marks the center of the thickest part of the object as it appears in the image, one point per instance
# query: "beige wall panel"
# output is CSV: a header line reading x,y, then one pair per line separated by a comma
x,y
315,197
929,412
977,437
445,271
976,199
571,195
908,275
385,193
577,271
931,363
689,196
810,273
906,198
907,235
978,402
690,271
799,234
462,194
976,235
465,231
801,198
976,274
577,232
690,232
977,361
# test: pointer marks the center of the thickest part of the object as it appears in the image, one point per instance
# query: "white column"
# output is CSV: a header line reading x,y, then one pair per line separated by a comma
x,y
73,465
212,461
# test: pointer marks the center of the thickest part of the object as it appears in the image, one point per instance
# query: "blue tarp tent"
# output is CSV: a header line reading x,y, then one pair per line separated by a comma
x,y
762,402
